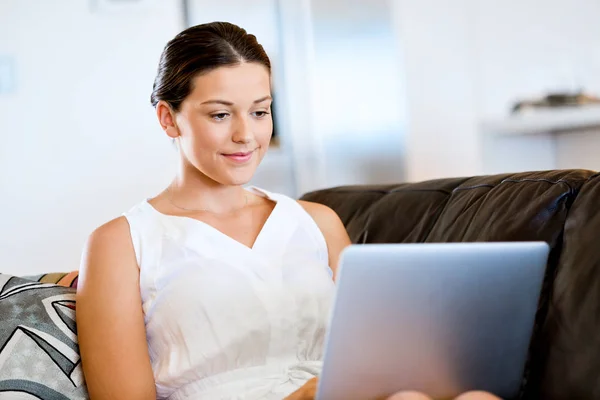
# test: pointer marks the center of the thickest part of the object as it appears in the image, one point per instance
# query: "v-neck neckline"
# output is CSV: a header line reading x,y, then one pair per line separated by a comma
x,y
259,238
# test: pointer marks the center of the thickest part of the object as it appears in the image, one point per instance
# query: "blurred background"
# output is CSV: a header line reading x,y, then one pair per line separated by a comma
x,y
366,92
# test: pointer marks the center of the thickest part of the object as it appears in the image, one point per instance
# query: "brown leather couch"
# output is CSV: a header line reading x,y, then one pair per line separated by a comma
x,y
559,207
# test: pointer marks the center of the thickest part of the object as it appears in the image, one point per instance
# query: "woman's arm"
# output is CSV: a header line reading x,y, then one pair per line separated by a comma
x,y
332,228
110,321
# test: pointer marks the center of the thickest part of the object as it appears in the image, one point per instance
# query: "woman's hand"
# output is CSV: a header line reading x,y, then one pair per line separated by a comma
x,y
308,391
465,396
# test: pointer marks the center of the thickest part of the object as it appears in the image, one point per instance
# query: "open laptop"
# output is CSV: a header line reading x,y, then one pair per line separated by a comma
x,y
438,318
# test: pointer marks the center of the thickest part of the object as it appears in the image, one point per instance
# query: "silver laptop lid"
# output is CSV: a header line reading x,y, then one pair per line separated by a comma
x,y
438,318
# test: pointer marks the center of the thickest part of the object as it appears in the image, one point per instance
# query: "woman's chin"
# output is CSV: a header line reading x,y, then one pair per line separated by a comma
x,y
238,179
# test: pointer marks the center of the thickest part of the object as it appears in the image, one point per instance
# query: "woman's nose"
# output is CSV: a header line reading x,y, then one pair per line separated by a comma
x,y
242,132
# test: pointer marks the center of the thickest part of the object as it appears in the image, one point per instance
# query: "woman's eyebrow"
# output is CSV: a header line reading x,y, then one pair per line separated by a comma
x,y
229,103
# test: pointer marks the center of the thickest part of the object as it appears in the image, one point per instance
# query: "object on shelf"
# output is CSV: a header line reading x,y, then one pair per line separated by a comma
x,y
556,100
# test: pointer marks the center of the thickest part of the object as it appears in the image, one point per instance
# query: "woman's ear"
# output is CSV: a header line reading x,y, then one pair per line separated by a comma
x,y
166,118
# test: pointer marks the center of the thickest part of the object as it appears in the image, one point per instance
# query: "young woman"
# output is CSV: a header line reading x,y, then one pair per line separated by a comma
x,y
210,290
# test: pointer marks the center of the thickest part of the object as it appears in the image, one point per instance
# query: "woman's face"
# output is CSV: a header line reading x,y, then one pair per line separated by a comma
x,y
225,125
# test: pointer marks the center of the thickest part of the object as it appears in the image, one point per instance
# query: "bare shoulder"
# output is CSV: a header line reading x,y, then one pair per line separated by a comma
x,y
327,219
108,247
331,226
112,231
319,212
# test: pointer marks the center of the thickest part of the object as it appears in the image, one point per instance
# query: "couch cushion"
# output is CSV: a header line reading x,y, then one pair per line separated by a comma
x,y
39,353
570,345
403,213
518,207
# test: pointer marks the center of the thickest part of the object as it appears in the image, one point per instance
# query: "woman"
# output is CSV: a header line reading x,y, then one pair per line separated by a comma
x,y
210,290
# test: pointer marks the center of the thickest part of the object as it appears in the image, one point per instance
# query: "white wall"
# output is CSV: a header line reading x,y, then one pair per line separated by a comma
x,y
80,142
359,99
469,60
435,40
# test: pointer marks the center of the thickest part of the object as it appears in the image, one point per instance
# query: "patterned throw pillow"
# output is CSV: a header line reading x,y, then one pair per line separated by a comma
x,y
39,354
60,278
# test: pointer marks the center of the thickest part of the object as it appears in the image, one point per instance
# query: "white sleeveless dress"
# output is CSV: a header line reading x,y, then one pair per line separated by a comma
x,y
225,321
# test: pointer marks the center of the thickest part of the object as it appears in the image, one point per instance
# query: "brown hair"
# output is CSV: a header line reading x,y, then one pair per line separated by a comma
x,y
198,50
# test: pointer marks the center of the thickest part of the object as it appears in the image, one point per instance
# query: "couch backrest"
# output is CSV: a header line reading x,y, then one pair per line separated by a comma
x,y
571,330
558,207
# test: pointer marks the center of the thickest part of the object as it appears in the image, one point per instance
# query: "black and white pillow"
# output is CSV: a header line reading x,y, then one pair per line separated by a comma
x,y
39,354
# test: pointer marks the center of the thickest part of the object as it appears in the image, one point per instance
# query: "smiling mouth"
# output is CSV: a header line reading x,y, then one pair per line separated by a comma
x,y
240,157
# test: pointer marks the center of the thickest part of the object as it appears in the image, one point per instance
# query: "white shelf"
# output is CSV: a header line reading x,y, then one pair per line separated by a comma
x,y
544,121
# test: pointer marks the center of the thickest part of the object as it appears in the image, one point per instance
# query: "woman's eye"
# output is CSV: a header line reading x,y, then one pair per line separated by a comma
x,y
219,116
260,114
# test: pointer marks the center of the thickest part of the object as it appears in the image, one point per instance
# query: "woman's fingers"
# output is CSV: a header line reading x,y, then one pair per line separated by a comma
x,y
409,396
308,391
312,388
477,396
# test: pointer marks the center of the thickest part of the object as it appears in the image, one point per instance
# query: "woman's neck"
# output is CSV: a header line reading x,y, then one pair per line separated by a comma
x,y
192,190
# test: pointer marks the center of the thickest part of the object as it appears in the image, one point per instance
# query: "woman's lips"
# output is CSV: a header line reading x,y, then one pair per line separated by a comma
x,y
240,157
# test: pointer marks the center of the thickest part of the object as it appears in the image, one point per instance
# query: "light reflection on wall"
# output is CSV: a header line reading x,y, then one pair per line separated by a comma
x,y
359,102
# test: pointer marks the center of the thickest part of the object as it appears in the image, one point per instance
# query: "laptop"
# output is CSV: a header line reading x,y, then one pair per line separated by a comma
x,y
437,318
